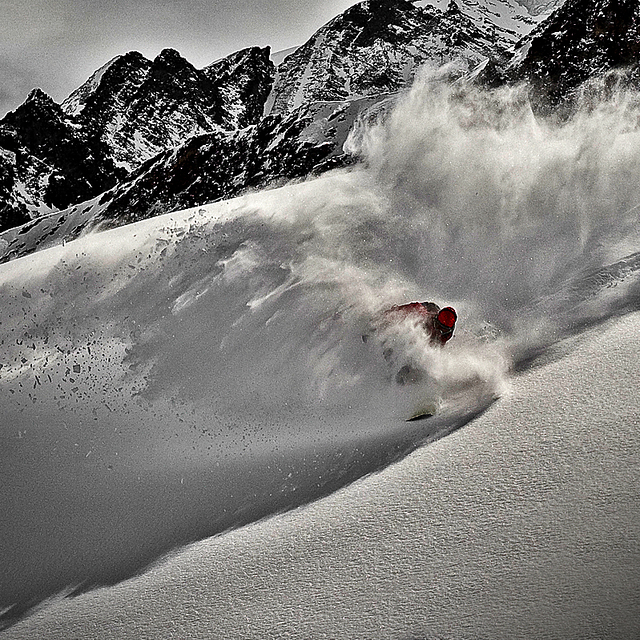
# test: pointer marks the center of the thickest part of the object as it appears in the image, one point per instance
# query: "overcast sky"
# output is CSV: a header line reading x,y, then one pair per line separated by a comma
x,y
57,44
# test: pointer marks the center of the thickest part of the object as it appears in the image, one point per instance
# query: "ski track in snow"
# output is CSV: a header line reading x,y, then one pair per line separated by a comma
x,y
168,380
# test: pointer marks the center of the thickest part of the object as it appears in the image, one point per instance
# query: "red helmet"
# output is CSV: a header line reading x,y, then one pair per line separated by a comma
x,y
447,316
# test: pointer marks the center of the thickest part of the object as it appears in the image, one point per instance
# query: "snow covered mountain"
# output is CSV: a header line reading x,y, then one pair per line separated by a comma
x,y
127,112
144,137
134,113
139,108
506,20
581,40
133,109
376,47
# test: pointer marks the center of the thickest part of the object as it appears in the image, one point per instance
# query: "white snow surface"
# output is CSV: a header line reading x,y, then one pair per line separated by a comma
x,y
524,524
204,370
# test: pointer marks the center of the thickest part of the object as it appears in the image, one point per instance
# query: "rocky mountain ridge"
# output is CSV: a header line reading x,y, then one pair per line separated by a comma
x,y
583,39
148,137
140,108
507,20
130,110
133,110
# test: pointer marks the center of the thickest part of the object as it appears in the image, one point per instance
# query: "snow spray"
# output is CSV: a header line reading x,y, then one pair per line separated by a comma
x,y
167,380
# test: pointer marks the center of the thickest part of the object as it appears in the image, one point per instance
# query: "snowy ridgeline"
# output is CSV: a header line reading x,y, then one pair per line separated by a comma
x,y
167,380
144,137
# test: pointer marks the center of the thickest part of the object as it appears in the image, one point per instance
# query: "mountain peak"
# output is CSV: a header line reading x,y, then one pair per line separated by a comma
x,y
170,56
38,96
39,107
172,66
452,7
108,86
377,19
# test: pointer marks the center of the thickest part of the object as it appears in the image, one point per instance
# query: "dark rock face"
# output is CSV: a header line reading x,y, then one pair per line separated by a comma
x,y
47,160
101,105
582,39
12,211
243,81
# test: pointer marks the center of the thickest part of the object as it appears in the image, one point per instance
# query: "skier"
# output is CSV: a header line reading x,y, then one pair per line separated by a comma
x,y
438,323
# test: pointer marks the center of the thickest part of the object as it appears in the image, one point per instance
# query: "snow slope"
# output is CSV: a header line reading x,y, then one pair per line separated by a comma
x,y
524,524
168,380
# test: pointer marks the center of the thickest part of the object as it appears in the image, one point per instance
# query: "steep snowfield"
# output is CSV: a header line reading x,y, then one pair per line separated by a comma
x,y
168,380
524,524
